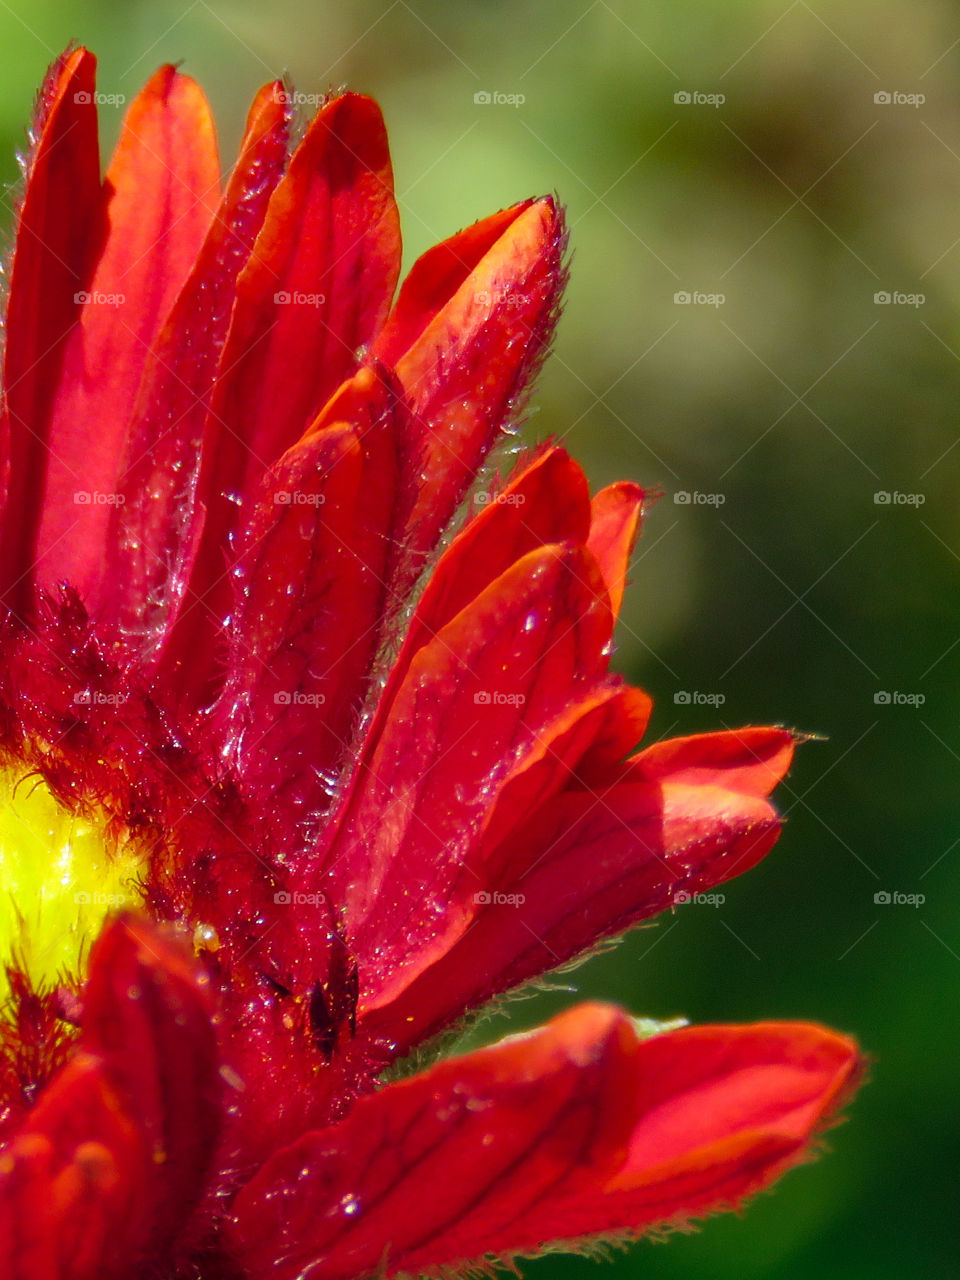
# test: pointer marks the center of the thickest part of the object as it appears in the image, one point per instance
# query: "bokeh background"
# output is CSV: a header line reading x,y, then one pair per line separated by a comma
x,y
781,400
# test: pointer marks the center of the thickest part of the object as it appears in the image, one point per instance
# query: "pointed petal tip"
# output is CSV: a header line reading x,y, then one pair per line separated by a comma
x,y
588,1126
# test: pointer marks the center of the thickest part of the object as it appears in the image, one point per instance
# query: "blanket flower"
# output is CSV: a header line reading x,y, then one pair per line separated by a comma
x,y
300,765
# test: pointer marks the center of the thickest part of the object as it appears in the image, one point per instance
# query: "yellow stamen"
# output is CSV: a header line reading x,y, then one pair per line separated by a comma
x,y
60,876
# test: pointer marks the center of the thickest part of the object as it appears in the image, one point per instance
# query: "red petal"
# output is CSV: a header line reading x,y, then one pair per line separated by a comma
x,y
574,1130
155,529
72,1200
471,323
316,289
589,865
435,278
614,525
113,1157
147,1017
311,594
546,501
474,701
751,760
587,741
162,190
59,234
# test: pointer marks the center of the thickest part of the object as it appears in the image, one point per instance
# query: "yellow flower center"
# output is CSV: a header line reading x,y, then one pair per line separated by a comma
x,y
60,876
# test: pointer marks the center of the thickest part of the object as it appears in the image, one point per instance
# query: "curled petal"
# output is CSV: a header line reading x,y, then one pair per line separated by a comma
x,y
589,864
577,1129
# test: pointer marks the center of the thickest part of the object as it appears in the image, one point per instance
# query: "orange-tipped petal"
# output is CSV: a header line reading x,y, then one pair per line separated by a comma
x,y
752,760
162,189
590,863
315,291
616,513
471,324
577,1129
156,526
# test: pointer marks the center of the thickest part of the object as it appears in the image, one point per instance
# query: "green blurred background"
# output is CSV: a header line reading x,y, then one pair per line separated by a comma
x,y
784,591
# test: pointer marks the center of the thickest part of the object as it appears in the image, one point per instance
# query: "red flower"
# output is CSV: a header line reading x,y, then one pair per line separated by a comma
x,y
233,698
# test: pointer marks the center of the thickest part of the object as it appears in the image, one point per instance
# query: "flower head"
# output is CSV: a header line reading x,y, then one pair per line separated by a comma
x,y
300,765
